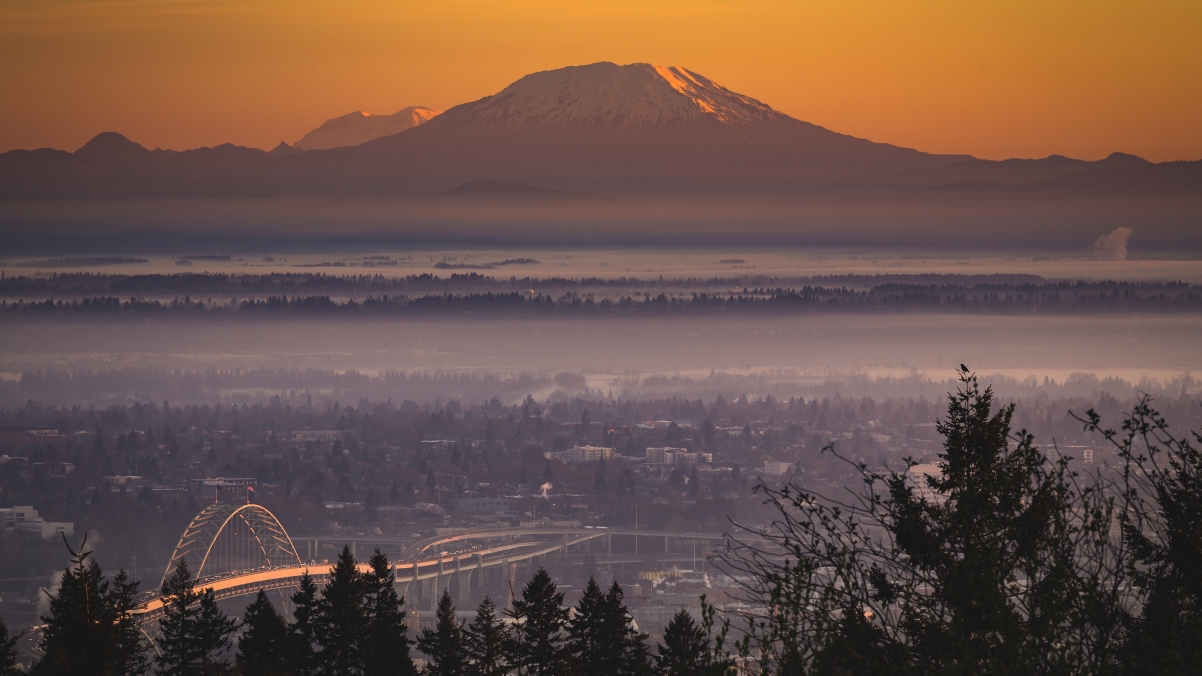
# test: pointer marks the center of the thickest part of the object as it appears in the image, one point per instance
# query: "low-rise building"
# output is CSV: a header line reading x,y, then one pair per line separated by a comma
x,y
26,518
774,468
580,454
320,435
918,476
664,456
482,505
223,489
676,456
592,453
28,432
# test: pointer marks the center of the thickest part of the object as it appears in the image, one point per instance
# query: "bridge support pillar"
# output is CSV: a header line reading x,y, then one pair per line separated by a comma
x,y
511,572
437,587
465,589
431,588
405,597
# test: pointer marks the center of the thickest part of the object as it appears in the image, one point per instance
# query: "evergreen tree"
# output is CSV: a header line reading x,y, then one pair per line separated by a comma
x,y
193,631
444,643
177,646
602,638
128,647
684,649
387,648
263,647
1002,564
74,638
536,645
8,652
90,629
342,621
1162,529
484,642
213,629
1005,518
302,632
590,636
631,643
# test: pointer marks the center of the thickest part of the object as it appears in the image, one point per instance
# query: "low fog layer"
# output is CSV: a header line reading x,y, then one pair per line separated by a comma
x,y
935,219
620,354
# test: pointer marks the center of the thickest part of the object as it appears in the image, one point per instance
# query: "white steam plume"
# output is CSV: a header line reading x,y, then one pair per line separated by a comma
x,y
56,584
1112,247
545,488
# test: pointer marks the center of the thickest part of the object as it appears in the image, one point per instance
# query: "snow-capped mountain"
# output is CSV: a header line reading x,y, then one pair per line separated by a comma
x,y
359,127
599,128
586,154
639,95
634,126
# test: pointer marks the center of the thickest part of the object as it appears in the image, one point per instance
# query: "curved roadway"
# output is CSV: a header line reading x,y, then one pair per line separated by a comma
x,y
411,568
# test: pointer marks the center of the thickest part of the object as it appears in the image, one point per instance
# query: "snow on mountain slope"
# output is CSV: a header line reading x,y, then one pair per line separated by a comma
x,y
638,95
609,127
359,127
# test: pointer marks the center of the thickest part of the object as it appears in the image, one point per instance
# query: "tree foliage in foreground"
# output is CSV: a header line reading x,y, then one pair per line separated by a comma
x,y
444,643
1162,531
686,650
8,651
194,635
90,629
387,650
484,642
263,646
601,636
1004,562
302,631
536,638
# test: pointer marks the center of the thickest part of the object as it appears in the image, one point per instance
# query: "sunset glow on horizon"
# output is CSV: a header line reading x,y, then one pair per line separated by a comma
x,y
991,79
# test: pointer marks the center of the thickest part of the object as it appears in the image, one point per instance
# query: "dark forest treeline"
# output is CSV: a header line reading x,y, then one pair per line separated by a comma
x,y
78,284
305,295
409,420
1079,298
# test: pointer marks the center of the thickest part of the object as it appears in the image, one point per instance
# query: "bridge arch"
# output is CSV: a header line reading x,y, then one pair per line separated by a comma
x,y
252,534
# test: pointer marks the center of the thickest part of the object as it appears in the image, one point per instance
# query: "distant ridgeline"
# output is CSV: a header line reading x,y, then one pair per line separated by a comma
x,y
309,295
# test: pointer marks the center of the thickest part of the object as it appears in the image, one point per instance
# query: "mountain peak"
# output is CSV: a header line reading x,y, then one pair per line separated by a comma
x,y
111,145
360,127
635,95
1124,160
283,149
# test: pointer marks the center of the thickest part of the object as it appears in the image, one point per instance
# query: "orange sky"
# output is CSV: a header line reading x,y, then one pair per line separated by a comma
x,y
1012,78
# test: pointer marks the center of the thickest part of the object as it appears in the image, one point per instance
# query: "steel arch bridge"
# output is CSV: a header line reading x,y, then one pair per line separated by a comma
x,y
227,538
